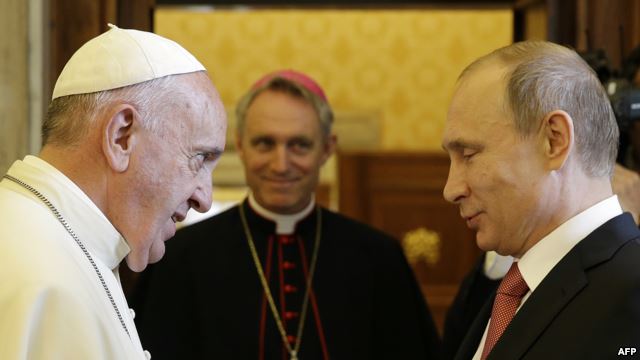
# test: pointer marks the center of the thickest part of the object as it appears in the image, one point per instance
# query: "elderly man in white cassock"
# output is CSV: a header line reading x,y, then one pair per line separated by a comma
x,y
134,129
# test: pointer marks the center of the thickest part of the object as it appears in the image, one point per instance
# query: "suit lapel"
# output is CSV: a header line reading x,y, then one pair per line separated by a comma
x,y
553,294
560,286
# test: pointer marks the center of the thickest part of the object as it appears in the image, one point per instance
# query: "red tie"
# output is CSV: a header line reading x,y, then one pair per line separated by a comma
x,y
508,297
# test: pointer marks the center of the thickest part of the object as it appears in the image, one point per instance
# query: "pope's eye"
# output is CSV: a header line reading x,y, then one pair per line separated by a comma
x,y
197,160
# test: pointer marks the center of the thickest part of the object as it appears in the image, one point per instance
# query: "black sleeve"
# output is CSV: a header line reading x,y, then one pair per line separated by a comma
x,y
474,291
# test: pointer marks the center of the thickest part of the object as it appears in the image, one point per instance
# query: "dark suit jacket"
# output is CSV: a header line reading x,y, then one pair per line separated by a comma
x,y
587,307
203,300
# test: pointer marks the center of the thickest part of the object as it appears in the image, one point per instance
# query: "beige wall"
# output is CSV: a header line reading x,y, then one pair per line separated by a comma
x,y
396,66
14,85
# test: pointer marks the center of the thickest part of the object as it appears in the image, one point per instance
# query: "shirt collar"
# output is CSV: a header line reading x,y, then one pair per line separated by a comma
x,y
536,263
90,225
285,223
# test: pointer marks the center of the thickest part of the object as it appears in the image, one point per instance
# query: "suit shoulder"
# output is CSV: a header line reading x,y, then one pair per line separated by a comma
x,y
627,258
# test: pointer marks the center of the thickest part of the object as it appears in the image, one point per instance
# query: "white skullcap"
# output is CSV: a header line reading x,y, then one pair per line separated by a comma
x,y
122,57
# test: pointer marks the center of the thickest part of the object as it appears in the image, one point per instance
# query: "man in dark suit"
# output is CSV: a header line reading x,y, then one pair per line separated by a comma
x,y
481,282
279,277
532,140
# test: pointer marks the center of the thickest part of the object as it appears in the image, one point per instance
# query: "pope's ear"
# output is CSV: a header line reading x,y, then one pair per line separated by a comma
x,y
119,135
559,138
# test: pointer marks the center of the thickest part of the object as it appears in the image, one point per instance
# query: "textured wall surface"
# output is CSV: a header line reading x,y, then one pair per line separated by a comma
x,y
14,85
398,64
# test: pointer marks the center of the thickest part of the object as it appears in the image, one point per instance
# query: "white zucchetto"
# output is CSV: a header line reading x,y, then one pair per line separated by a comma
x,y
122,57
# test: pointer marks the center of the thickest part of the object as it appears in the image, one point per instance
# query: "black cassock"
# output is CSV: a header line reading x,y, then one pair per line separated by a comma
x,y
204,299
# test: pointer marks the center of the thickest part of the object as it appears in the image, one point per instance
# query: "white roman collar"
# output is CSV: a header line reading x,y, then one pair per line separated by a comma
x,y
285,223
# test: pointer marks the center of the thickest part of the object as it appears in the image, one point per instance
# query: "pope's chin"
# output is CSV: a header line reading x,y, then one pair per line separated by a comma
x,y
138,259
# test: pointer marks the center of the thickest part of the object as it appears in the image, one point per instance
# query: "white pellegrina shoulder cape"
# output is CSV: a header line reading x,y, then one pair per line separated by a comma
x,y
52,303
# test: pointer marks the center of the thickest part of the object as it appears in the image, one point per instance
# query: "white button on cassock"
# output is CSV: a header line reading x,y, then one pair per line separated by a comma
x,y
133,313
147,355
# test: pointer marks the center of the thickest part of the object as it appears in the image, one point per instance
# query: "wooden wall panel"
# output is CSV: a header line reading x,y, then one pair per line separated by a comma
x,y
399,211
14,106
552,20
74,22
136,14
400,193
613,26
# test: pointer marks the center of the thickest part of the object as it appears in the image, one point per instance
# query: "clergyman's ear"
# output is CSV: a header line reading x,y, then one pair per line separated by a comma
x,y
119,136
238,143
329,147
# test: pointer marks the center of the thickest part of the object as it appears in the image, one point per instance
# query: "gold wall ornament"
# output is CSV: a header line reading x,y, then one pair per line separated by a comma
x,y
422,244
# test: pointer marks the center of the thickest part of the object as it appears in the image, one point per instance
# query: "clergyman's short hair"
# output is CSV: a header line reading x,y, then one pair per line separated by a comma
x,y
281,84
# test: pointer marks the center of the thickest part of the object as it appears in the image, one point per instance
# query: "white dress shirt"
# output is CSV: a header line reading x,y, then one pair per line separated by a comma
x,y
52,303
536,263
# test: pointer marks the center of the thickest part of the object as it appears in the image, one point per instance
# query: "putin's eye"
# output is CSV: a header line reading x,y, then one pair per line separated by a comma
x,y
467,154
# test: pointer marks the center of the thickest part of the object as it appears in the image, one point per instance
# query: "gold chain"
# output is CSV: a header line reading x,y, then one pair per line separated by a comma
x,y
292,351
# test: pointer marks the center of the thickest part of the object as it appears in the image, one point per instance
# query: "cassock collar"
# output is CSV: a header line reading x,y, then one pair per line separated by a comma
x,y
89,223
285,223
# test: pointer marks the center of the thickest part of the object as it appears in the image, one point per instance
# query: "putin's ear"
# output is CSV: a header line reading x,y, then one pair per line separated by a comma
x,y
559,138
119,136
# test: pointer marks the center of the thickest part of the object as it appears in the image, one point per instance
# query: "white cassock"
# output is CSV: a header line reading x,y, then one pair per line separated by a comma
x,y
52,302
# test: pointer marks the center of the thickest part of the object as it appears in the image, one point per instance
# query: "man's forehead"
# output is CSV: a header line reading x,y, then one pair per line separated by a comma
x,y
461,134
475,113
485,82
209,124
279,134
273,119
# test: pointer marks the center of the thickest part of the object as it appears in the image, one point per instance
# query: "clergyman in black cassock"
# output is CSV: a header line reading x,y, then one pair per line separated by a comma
x,y
365,302
279,277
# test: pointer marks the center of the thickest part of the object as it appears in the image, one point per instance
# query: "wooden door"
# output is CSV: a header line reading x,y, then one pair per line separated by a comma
x,y
401,194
